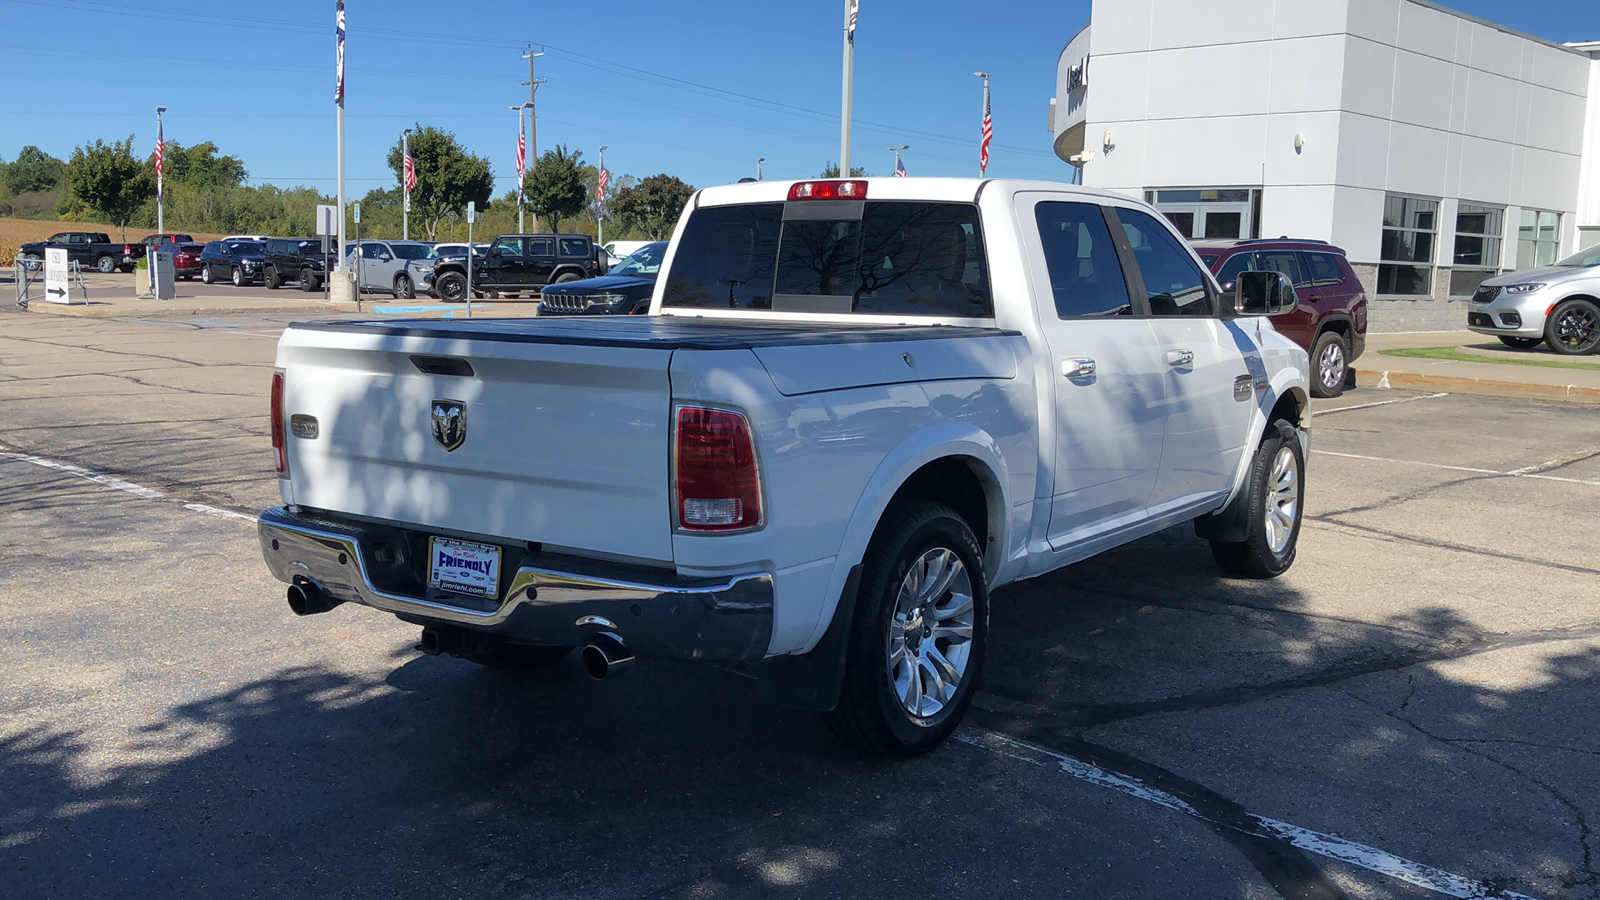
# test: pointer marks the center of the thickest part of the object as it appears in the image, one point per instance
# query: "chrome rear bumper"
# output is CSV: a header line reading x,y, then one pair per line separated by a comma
x,y
725,619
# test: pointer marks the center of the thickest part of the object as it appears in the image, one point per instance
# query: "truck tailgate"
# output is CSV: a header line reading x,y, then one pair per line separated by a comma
x,y
565,444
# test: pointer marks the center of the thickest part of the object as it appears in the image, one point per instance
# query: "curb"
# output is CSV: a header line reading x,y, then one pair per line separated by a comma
x,y
1456,384
113,310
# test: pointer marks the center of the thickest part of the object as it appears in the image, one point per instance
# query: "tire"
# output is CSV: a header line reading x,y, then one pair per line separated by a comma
x,y
238,277
309,281
452,287
205,275
892,667
507,657
568,276
31,263
1519,343
106,265
1330,364
1276,502
403,288
269,277
1573,328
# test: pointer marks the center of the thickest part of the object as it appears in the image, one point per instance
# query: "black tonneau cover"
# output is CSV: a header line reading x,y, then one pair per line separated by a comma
x,y
664,332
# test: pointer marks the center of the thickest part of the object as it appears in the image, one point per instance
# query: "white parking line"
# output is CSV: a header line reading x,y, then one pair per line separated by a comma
x,y
127,487
1340,409
1527,472
1331,846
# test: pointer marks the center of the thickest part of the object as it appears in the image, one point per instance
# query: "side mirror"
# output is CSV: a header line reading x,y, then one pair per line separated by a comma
x,y
1264,294
384,257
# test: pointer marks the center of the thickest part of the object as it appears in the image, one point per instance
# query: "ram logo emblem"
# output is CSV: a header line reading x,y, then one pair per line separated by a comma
x,y
449,423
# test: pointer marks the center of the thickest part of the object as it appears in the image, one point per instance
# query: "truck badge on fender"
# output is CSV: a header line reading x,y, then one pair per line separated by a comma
x,y
449,423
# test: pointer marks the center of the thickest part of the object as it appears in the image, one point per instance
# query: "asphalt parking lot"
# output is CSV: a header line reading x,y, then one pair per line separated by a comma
x,y
1409,712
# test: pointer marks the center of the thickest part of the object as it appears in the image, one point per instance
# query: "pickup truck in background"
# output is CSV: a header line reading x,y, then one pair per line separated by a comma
x,y
856,408
514,264
92,249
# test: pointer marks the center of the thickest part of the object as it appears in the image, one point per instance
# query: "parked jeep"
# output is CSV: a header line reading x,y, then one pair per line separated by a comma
x,y
517,264
1331,322
295,259
237,261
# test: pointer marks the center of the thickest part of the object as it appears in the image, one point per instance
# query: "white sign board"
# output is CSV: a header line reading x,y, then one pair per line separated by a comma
x,y
327,219
357,208
472,210
56,286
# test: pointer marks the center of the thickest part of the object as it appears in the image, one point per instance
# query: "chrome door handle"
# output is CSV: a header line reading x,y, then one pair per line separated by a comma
x,y
1077,368
1180,357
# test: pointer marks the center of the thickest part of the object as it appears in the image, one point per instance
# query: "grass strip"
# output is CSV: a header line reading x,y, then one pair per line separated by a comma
x,y
1457,354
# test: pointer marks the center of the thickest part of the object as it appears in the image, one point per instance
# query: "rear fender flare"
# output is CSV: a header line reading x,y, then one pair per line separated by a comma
x,y
936,442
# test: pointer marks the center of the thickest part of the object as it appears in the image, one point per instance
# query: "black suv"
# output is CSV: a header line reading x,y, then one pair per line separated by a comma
x,y
516,264
296,259
236,261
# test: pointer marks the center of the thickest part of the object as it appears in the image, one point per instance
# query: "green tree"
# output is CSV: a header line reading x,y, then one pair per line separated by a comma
x,y
200,166
109,180
555,187
448,177
34,171
831,170
651,207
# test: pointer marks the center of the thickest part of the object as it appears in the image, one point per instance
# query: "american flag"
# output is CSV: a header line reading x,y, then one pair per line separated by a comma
x,y
600,187
411,179
988,132
160,148
522,158
338,30
899,167
850,22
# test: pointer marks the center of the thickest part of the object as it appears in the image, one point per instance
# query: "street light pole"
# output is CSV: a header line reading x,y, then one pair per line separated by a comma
x,y
405,181
758,167
161,152
896,151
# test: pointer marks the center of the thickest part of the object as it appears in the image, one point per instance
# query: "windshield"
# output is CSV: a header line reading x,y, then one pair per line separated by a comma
x,y
412,251
644,261
1589,257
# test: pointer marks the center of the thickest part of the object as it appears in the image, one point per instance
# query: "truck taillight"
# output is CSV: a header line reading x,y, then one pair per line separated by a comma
x,y
278,447
717,485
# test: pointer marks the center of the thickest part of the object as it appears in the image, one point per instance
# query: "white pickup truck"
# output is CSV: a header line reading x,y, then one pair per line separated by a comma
x,y
856,409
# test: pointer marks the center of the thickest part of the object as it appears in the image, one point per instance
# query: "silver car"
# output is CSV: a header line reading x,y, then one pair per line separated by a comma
x,y
1558,305
383,265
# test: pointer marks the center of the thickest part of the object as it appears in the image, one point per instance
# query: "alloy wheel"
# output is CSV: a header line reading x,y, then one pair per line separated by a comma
x,y
1283,500
930,635
1577,330
1331,366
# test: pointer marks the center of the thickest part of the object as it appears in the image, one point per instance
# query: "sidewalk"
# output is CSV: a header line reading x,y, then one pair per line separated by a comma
x,y
118,301
1376,370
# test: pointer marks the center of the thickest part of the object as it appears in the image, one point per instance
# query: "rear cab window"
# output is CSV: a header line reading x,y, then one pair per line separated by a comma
x,y
872,257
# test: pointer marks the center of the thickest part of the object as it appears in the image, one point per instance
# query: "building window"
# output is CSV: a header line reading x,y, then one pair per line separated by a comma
x,y
1477,251
1539,238
1199,213
1405,255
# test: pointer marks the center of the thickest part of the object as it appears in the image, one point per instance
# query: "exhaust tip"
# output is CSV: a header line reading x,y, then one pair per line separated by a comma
x,y
605,656
307,599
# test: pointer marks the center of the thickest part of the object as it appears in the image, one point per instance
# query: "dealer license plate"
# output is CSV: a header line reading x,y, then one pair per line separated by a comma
x,y
464,566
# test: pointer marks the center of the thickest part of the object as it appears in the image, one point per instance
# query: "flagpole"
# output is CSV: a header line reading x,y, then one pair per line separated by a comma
x,y
983,150
339,253
160,172
600,203
849,85
405,182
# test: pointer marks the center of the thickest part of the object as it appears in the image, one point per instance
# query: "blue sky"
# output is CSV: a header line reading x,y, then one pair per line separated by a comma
x,y
694,89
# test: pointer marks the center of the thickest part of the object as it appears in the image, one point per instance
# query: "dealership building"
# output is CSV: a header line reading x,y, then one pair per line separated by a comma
x,y
1436,148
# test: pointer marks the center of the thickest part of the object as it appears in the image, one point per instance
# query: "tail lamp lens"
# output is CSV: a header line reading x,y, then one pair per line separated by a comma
x,y
828,190
278,448
718,487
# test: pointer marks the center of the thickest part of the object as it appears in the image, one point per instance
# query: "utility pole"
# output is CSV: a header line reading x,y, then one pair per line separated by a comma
x,y
849,85
342,282
533,116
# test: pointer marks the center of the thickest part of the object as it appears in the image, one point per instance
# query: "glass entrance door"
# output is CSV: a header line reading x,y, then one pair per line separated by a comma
x,y
1200,213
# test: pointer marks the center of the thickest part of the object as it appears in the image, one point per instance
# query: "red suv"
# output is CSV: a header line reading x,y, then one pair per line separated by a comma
x,y
1332,320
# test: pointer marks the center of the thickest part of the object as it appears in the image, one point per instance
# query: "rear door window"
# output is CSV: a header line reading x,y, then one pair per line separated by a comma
x,y
574,247
1172,280
1322,268
1285,261
1085,274
876,258
541,247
